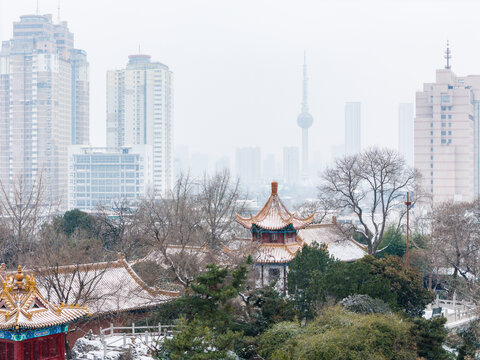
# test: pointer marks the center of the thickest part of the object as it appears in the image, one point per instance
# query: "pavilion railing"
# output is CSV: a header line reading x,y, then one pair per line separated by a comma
x,y
145,334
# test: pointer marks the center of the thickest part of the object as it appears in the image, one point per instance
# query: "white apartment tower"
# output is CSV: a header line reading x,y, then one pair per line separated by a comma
x,y
405,132
140,112
353,127
44,105
446,135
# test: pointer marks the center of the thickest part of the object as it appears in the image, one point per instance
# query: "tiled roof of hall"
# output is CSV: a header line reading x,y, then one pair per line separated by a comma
x,y
274,215
22,306
113,286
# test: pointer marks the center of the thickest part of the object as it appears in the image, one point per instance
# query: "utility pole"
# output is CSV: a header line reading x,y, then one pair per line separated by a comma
x,y
408,203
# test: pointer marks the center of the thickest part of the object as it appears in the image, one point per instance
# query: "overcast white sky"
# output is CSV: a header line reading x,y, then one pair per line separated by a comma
x,y
238,64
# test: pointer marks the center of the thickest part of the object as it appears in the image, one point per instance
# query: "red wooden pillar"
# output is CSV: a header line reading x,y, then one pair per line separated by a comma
x,y
61,346
18,350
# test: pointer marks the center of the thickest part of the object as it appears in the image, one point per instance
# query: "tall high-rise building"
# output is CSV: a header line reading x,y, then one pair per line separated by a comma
x,y
305,121
446,140
140,112
247,164
353,128
44,104
291,168
405,132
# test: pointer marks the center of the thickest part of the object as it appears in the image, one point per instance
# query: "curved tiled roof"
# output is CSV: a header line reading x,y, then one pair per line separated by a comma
x,y
274,215
22,306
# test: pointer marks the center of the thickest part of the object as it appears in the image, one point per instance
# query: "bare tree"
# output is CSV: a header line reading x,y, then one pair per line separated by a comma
x,y
68,268
219,202
189,228
24,207
372,186
456,241
118,226
172,225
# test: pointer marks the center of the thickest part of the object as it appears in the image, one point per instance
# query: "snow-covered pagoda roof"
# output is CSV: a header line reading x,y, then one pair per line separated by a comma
x,y
274,215
23,307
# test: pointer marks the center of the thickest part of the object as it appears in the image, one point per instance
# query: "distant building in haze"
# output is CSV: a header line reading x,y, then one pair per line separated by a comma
x,y
269,170
446,135
405,132
222,164
291,168
140,112
199,165
247,165
44,105
353,128
107,176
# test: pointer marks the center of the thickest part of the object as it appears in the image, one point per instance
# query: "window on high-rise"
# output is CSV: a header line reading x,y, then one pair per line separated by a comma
x,y
449,116
445,98
444,124
444,117
444,133
444,108
431,124
444,141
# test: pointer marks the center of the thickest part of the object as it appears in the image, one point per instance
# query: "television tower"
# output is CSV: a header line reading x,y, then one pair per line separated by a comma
x,y
305,121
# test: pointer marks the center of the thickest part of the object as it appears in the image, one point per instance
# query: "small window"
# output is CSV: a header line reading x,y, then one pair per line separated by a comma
x,y
431,173
431,124
444,124
431,141
431,157
449,124
449,108
450,132
444,108
431,166
431,149
431,133
445,98
444,133
444,141
449,116
431,182
444,116
449,141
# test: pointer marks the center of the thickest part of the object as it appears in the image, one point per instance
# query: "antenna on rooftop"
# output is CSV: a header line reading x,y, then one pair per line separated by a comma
x,y
139,50
37,8
58,11
448,56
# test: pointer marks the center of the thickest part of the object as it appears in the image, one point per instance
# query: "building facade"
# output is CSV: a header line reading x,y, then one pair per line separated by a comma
x,y
103,176
44,99
353,128
446,140
140,112
247,165
405,132
291,168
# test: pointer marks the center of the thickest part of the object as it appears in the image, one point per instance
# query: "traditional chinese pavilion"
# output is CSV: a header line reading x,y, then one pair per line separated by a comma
x,y
275,230
30,327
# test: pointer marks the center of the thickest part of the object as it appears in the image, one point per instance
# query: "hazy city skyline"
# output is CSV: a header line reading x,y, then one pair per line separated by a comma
x,y
245,80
